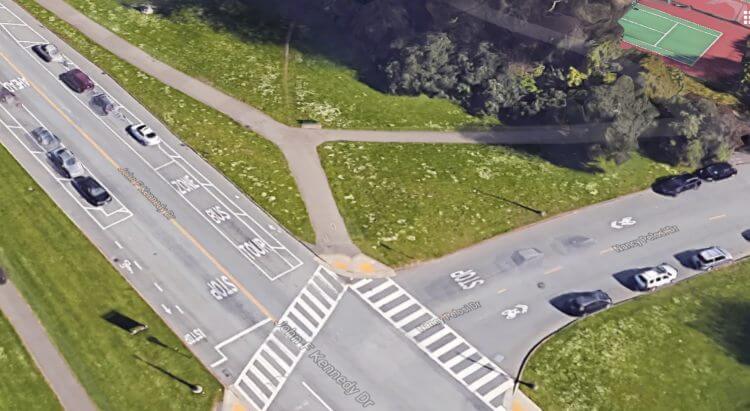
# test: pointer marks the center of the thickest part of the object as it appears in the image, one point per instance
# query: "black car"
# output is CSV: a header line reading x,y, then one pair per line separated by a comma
x,y
674,185
91,190
716,171
588,302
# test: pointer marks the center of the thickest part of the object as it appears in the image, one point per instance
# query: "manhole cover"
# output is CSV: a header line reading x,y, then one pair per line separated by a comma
x,y
541,284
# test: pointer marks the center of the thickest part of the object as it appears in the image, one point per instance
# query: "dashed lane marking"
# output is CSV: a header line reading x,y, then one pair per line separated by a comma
x,y
174,222
553,270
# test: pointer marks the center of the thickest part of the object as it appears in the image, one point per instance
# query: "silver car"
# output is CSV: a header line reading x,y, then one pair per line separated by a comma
x,y
45,138
66,162
708,258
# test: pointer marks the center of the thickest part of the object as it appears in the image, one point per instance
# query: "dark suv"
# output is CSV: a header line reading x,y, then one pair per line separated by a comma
x,y
77,80
91,190
588,302
716,171
674,185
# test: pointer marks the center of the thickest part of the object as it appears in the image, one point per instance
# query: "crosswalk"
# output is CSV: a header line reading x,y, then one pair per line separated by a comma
x,y
443,345
268,369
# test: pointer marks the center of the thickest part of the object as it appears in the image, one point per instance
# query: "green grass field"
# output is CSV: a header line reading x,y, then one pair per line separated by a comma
x,y
658,32
22,386
686,347
70,285
251,162
247,62
411,202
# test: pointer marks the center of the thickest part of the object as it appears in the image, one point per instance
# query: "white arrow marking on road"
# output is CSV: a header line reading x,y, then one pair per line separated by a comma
x,y
166,309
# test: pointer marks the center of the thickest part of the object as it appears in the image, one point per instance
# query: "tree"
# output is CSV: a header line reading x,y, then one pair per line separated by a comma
x,y
702,133
627,110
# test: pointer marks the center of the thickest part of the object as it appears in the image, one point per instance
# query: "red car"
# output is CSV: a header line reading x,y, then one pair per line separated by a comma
x,y
77,80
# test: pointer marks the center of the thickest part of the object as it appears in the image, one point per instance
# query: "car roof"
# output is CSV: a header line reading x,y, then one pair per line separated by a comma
x,y
711,253
650,274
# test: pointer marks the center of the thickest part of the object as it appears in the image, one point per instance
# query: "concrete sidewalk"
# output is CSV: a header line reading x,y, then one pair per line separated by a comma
x,y
50,362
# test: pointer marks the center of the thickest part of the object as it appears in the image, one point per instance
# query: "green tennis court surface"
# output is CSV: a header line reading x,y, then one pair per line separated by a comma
x,y
680,40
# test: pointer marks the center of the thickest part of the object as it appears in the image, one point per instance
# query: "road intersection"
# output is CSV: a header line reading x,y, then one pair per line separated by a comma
x,y
270,319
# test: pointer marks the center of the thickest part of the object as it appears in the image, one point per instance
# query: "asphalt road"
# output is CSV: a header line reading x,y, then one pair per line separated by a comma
x,y
216,267
716,214
222,271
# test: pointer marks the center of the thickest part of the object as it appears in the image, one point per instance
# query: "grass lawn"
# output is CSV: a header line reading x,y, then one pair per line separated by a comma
x,y
245,58
410,202
70,285
251,162
683,348
22,387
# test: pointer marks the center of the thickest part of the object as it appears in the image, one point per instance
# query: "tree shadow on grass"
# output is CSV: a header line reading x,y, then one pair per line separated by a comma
x,y
728,323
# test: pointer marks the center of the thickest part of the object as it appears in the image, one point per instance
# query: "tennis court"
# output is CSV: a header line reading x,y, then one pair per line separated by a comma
x,y
661,33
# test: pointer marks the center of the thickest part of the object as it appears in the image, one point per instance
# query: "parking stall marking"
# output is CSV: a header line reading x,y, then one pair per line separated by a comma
x,y
453,353
267,371
283,260
100,215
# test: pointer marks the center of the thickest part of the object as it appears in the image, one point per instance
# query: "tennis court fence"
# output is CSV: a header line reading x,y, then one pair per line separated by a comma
x,y
733,11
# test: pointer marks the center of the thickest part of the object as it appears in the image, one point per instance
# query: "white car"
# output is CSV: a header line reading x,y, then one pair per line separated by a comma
x,y
144,134
660,275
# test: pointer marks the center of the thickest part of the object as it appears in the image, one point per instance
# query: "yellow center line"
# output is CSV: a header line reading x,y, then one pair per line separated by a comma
x,y
553,270
502,290
179,227
716,217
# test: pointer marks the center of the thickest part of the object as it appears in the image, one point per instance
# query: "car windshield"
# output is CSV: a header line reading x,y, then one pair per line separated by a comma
x,y
660,270
96,191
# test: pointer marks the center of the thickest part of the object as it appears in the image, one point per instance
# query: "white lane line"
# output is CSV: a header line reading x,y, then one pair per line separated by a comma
x,y
233,338
194,172
183,312
164,165
502,290
605,251
716,217
117,243
665,35
317,397
137,265
158,287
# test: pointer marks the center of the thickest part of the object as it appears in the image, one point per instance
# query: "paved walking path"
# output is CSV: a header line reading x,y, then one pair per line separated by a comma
x,y
49,361
299,145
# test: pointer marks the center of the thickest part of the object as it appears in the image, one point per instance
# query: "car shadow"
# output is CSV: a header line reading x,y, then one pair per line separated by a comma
x,y
684,258
627,278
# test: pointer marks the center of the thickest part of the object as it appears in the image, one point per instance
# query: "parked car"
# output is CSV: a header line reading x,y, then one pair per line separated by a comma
x,y
103,103
588,302
655,277
91,191
716,171
674,185
7,96
66,162
708,258
526,256
45,138
77,80
48,52
143,134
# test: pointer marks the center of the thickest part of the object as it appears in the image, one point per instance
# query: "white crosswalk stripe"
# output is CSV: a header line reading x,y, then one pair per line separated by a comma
x,y
265,374
477,373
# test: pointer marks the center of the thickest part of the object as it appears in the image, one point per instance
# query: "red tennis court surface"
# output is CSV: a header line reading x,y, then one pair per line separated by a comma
x,y
723,60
